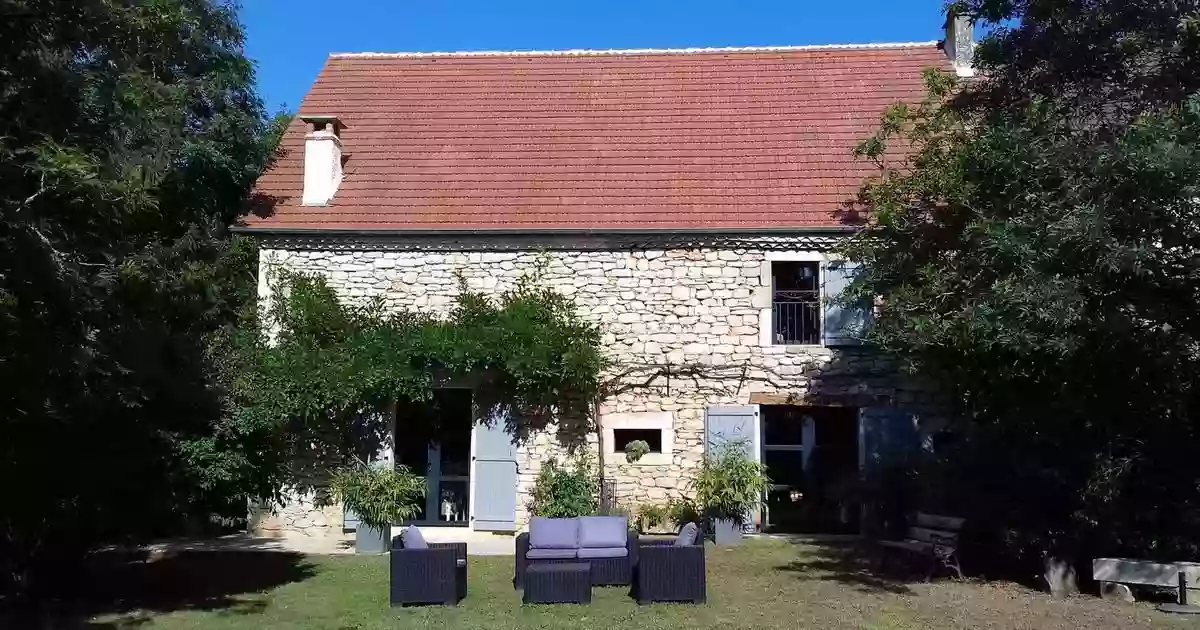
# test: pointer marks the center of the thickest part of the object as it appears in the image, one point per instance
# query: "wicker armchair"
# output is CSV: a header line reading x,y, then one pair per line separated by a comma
x,y
437,575
667,573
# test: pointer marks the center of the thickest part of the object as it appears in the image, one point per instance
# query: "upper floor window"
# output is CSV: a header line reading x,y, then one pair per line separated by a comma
x,y
796,302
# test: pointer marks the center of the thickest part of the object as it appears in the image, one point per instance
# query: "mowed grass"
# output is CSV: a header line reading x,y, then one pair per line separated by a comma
x,y
762,584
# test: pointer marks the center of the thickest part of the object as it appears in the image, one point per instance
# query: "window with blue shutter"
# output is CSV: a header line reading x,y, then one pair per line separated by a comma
x,y
843,324
494,508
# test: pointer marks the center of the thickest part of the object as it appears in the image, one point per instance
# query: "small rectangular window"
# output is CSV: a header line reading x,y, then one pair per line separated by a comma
x,y
622,437
796,302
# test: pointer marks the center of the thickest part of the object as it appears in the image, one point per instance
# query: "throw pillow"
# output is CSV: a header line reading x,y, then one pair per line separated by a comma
x,y
687,535
413,539
553,533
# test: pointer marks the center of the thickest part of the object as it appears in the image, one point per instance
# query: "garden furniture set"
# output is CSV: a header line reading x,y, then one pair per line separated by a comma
x,y
559,560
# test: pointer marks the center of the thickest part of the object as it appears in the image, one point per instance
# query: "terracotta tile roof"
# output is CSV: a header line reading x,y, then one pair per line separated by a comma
x,y
740,139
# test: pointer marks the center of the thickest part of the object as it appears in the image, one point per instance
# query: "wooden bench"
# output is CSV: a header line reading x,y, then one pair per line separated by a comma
x,y
1112,573
931,538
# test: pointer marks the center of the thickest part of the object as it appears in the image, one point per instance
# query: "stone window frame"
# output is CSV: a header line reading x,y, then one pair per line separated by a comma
x,y
663,421
764,293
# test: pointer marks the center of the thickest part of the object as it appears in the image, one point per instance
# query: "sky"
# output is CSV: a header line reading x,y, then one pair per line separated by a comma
x,y
290,39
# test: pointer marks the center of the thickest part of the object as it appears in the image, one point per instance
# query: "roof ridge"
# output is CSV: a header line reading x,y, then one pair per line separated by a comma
x,y
587,52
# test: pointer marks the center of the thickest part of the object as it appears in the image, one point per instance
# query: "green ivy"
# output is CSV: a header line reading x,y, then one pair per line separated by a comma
x,y
316,376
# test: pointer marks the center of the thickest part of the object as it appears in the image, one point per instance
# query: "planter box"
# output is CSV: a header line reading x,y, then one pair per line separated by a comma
x,y
727,532
370,540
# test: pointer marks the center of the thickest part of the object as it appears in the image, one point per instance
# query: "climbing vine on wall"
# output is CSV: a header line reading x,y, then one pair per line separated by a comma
x,y
316,377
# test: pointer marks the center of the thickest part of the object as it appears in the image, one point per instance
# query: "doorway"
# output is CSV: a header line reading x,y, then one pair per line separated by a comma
x,y
811,456
433,439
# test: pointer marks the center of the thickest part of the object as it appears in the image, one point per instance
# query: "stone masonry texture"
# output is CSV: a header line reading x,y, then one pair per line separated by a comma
x,y
688,316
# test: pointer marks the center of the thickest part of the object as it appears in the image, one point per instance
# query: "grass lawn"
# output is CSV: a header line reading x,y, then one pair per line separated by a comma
x,y
763,584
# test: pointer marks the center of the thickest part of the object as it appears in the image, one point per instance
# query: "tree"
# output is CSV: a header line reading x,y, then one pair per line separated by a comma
x,y
130,134
1037,248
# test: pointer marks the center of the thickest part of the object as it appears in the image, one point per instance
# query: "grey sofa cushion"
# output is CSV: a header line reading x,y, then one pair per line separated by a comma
x,y
603,552
553,533
550,554
687,535
603,531
413,539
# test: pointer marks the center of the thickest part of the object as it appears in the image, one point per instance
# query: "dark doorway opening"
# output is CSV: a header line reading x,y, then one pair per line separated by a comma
x,y
811,455
433,438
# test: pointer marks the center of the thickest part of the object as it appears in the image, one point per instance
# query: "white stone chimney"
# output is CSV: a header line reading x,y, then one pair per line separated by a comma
x,y
959,44
322,159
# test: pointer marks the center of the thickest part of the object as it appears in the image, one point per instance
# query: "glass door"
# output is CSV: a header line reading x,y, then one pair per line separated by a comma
x,y
811,456
434,439
784,453
450,484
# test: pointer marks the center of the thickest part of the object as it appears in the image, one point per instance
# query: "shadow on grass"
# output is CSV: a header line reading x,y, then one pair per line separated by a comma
x,y
851,563
134,587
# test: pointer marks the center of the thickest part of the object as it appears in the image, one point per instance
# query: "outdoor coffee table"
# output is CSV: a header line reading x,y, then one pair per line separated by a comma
x,y
558,583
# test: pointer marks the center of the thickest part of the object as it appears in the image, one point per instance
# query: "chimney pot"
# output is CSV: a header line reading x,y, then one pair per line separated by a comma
x,y
322,159
959,44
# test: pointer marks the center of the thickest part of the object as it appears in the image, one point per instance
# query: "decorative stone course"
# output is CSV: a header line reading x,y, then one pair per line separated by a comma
x,y
686,317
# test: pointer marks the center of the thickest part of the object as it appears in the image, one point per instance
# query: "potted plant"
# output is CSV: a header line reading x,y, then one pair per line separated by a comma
x,y
381,495
651,517
636,450
728,485
681,511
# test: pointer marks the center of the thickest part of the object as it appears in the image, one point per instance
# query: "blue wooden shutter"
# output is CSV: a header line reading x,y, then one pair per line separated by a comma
x,y
730,424
889,437
494,506
842,324
724,424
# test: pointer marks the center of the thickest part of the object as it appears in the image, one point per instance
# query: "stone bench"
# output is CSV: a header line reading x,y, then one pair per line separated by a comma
x,y
1114,576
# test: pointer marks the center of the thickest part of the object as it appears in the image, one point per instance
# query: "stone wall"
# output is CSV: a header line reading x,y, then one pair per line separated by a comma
x,y
297,515
687,319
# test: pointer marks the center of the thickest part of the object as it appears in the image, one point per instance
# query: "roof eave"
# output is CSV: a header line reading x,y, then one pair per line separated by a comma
x,y
384,232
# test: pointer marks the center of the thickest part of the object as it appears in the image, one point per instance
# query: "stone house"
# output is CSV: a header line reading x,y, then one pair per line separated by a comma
x,y
688,200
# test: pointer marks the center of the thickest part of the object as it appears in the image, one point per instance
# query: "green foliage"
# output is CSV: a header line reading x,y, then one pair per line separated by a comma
x,y
562,492
729,483
682,511
650,516
381,496
321,387
1102,65
1037,251
614,510
635,450
129,140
